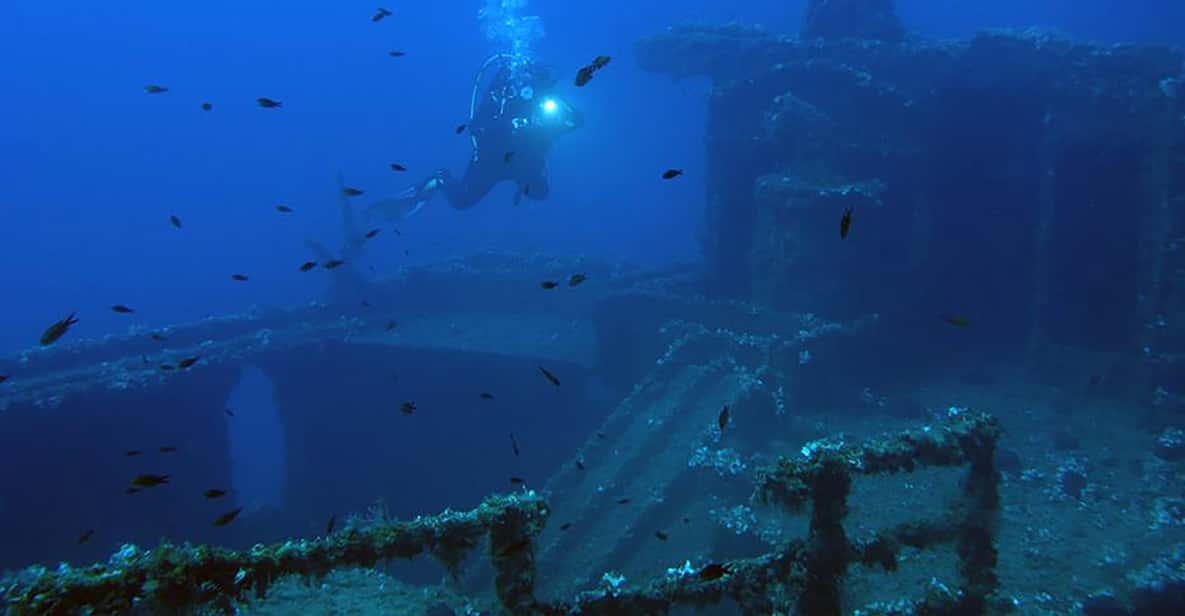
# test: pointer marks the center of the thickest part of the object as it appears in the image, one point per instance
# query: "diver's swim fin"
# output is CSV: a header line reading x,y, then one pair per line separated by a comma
x,y
415,209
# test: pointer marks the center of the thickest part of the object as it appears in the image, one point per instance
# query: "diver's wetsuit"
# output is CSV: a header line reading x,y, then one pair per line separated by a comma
x,y
513,129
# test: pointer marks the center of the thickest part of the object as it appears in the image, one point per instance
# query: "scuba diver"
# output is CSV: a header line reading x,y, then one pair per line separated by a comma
x,y
512,129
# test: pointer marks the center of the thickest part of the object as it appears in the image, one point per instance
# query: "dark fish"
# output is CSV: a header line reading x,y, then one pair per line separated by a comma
x,y
207,106
551,377
380,14
268,103
86,536
144,359
599,62
131,490
671,174
132,452
229,412
121,309
584,75
366,303
549,284
623,501
334,263
845,223
687,520
395,53
460,129
957,321
57,330
155,89
239,277
661,535
715,571
514,444
168,449
580,464
214,493
601,435
188,361
517,480
227,517
1095,379
723,418
350,191
565,526
167,367
175,221
507,157
407,408
157,337
150,481
372,233
3,377
391,325
516,548
331,524
398,167
283,209
576,279
307,265
485,395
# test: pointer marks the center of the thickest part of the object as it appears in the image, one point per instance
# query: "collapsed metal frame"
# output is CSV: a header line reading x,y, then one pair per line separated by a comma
x,y
805,574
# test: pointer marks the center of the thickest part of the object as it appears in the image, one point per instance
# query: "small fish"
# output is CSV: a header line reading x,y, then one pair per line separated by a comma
x,y
549,376
334,263
350,191
514,444
283,209
329,526
130,491
517,480
1094,380
584,75
167,367
671,174
150,481
307,265
516,548
372,233
57,330
227,517
715,571
176,222
380,14
600,62
155,89
485,395
601,435
268,103
395,53
144,359
229,412
661,535
576,279
687,520
168,449
214,493
845,223
507,157
132,452
565,526
121,309
366,303
580,464
549,284
623,501
207,106
398,167
86,536
957,321
723,418
391,325
407,408
239,277
3,377
188,361
157,337
460,129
